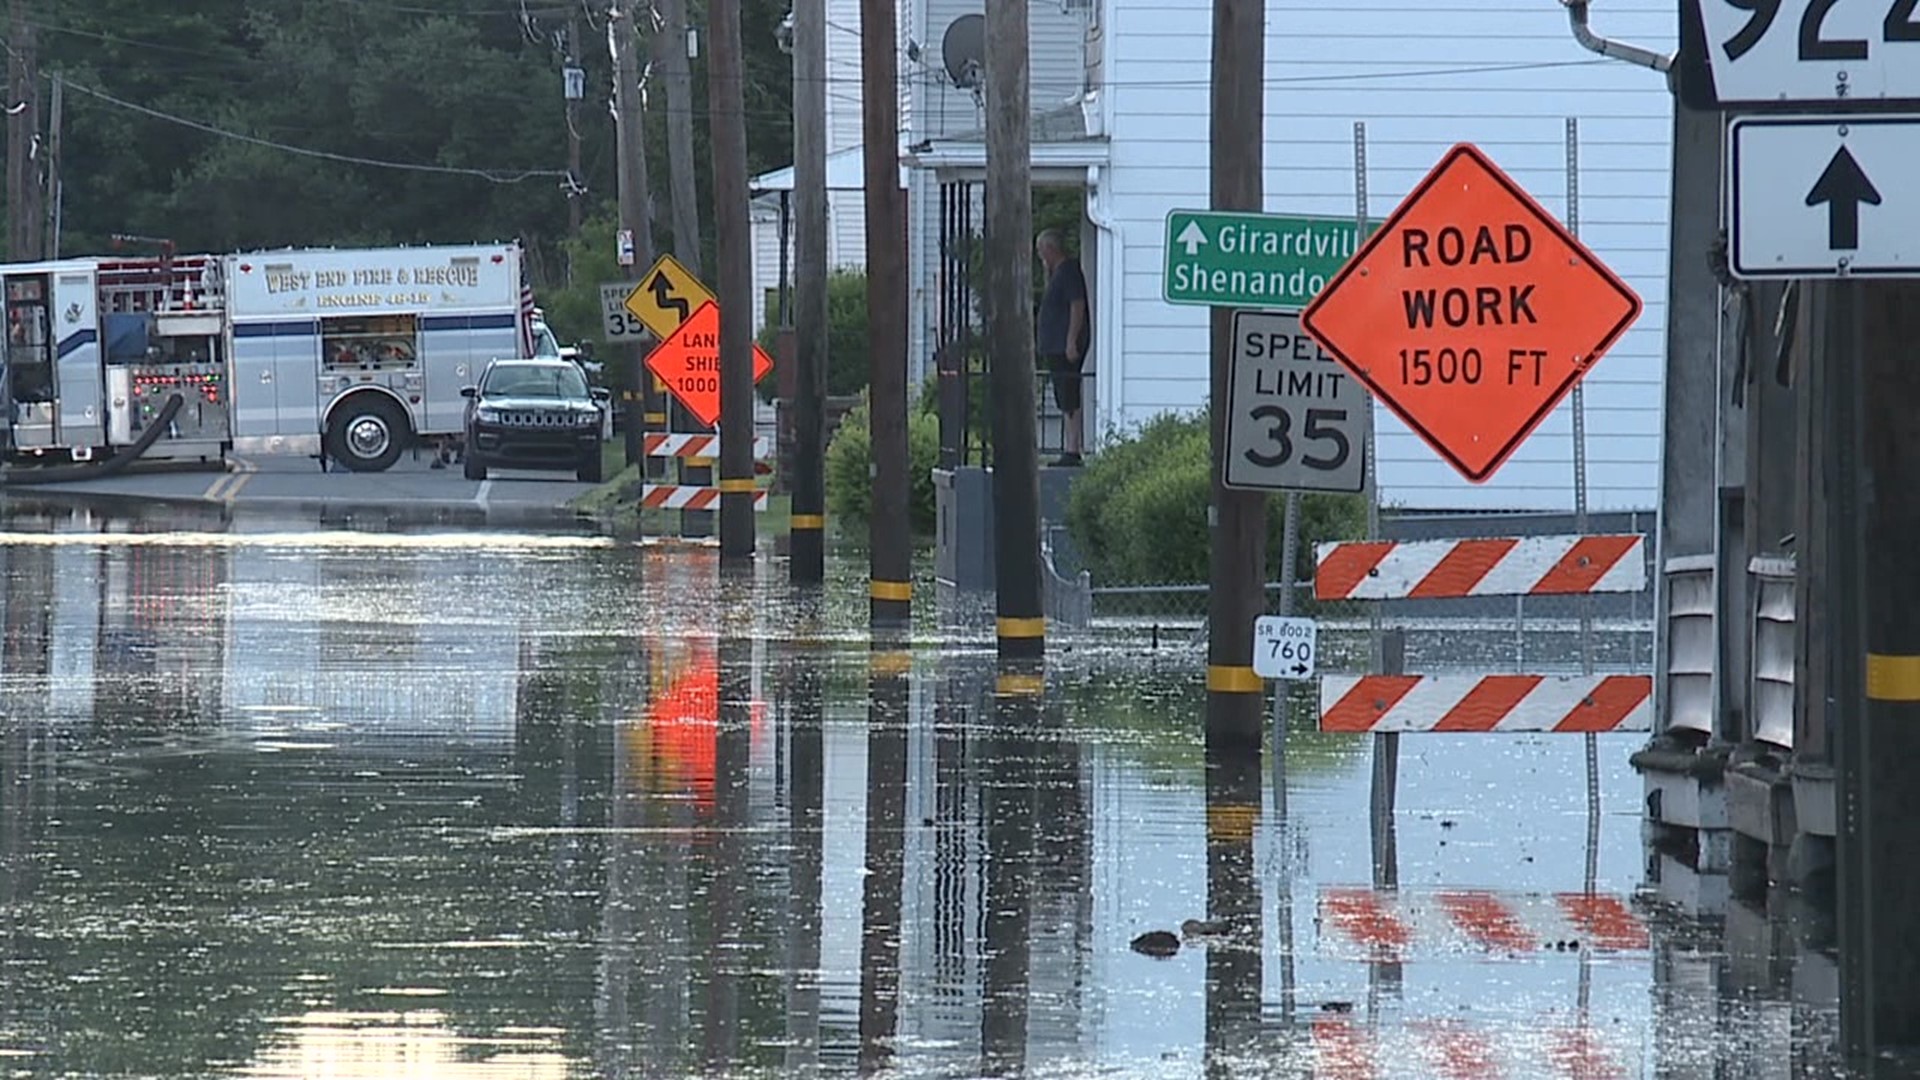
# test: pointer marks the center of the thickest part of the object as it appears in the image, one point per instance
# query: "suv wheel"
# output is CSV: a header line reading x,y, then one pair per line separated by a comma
x,y
591,470
472,467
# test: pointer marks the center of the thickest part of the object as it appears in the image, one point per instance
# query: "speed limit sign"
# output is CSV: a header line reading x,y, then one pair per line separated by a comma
x,y
617,324
1296,421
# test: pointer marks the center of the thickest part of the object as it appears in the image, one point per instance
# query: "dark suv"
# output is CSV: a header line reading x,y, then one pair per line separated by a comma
x,y
533,414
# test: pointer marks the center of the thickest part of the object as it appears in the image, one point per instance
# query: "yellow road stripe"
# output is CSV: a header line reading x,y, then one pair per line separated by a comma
x,y
1228,679
233,489
901,591
808,521
1232,821
1893,678
735,485
1021,628
1020,685
889,661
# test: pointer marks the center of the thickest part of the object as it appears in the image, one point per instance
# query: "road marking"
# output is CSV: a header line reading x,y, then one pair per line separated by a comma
x,y
233,490
480,497
240,470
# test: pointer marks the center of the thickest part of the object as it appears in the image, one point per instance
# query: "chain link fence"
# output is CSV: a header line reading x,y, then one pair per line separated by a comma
x,y
1494,634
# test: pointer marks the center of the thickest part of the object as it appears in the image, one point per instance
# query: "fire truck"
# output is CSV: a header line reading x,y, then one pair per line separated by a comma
x,y
348,355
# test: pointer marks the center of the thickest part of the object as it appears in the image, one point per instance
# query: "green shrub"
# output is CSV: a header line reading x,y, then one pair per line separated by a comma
x,y
847,370
1138,513
849,480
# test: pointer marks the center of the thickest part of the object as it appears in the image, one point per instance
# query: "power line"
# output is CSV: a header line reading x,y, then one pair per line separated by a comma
x,y
497,176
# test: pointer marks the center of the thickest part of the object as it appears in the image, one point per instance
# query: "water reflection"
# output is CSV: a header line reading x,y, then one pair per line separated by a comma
x,y
806,823
886,825
1234,975
1009,768
577,809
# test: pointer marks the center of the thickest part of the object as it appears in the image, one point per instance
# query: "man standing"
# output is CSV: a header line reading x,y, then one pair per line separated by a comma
x,y
1064,336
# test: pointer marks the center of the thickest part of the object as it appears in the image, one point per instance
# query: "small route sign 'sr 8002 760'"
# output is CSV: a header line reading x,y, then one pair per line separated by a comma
x,y
1296,421
1284,646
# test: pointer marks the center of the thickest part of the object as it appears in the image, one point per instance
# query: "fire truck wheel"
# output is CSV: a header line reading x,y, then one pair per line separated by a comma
x,y
367,433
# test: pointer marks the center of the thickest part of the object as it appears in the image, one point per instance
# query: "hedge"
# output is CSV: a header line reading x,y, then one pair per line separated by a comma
x,y
1138,514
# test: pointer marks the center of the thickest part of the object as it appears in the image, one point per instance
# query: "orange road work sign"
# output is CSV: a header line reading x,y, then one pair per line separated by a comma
x,y
1471,313
688,361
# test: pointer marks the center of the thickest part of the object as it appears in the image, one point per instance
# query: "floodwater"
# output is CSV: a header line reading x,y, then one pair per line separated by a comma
x,y
287,797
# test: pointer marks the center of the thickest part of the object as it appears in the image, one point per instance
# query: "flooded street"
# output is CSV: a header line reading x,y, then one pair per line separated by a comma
x,y
283,796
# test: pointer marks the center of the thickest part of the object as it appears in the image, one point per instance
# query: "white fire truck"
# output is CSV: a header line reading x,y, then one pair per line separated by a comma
x,y
344,354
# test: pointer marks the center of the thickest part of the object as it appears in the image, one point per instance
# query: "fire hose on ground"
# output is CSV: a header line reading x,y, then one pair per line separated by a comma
x,y
60,474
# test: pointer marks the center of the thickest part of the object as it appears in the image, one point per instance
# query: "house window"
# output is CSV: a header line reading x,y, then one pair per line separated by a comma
x,y
370,342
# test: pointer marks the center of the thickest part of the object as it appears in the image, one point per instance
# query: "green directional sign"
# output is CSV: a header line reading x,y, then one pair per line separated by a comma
x,y
1221,258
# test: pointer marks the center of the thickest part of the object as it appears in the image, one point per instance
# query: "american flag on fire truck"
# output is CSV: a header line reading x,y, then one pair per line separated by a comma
x,y
526,319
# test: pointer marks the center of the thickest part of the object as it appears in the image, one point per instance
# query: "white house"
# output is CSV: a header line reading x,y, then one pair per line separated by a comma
x,y
931,107
846,205
1120,91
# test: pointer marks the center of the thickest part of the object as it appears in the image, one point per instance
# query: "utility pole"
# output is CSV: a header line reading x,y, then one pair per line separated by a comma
x,y
1020,625
676,72
807,546
1238,570
726,102
23,130
623,43
55,190
890,536
1873,391
673,51
574,189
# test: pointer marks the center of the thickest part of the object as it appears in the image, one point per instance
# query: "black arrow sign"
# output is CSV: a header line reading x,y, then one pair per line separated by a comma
x,y
1843,187
663,297
1299,669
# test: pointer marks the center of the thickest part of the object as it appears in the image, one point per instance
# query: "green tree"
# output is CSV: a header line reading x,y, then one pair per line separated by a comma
x,y
847,368
849,455
438,84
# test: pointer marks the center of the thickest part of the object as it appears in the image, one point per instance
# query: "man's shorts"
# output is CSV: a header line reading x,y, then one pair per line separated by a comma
x,y
1066,380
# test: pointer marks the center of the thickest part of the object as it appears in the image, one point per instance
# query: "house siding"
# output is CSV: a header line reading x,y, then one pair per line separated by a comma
x,y
935,108
1516,76
846,210
765,219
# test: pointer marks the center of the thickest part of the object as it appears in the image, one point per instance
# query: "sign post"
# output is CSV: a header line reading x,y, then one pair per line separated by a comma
x,y
663,299
1296,421
1471,313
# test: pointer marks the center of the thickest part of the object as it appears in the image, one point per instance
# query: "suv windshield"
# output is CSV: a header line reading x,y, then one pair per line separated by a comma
x,y
536,381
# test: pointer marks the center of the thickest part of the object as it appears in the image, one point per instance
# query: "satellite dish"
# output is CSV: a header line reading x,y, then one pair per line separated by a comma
x,y
964,50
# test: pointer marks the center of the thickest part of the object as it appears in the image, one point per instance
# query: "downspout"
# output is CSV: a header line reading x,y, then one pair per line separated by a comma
x,y
1617,50
1106,341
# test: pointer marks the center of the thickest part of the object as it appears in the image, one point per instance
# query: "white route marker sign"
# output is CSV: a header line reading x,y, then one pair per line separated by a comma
x,y
1285,647
1812,51
1824,196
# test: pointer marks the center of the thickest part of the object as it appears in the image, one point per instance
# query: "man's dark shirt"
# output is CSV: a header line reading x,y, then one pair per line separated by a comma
x,y
1066,285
